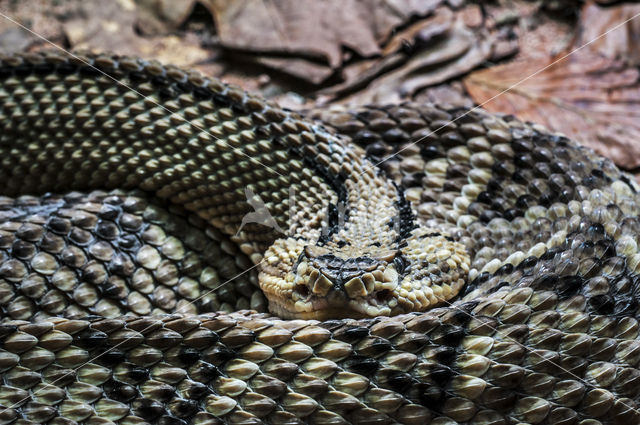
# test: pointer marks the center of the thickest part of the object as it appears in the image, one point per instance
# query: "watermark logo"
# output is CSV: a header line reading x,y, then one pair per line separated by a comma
x,y
334,218
260,213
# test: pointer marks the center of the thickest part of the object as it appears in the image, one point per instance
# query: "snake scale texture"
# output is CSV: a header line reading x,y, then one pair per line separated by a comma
x,y
485,275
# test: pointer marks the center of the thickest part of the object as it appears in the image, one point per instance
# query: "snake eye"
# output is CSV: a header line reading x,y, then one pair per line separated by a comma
x,y
400,263
303,290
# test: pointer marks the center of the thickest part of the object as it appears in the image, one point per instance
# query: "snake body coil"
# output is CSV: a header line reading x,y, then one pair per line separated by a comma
x,y
505,257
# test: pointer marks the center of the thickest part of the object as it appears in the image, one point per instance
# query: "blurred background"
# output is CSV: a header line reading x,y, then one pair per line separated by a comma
x,y
546,61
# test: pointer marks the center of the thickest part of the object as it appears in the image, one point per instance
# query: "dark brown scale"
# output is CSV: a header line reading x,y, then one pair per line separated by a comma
x,y
382,124
80,237
412,180
472,129
59,225
30,232
107,230
83,219
477,208
410,124
366,137
457,171
394,135
453,185
503,169
121,265
23,250
53,302
377,149
451,139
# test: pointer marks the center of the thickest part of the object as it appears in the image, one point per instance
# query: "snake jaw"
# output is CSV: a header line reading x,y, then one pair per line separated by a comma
x,y
361,296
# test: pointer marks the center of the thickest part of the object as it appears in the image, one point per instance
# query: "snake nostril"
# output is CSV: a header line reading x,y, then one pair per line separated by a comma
x,y
384,295
303,290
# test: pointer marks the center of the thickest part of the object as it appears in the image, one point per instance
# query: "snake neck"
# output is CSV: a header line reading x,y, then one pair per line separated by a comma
x,y
338,237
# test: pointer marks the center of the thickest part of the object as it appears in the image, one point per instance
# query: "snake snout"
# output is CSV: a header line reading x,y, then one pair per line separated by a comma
x,y
329,280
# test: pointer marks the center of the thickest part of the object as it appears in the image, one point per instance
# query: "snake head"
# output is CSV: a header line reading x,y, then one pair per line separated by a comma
x,y
306,281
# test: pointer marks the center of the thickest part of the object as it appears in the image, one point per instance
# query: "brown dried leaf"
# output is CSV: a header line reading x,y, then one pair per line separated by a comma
x,y
360,73
109,27
41,17
312,72
593,99
621,43
458,52
15,39
312,29
450,94
162,16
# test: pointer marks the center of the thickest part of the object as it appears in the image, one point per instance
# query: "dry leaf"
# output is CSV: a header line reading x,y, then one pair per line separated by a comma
x,y
622,42
446,94
593,99
309,28
457,53
427,31
16,39
40,16
109,27
303,38
312,72
162,16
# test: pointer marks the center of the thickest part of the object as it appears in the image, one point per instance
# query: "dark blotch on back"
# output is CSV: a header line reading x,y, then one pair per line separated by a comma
x,y
351,335
148,409
366,366
120,391
91,338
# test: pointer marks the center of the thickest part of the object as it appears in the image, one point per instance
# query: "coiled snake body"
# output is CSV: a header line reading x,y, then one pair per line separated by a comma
x,y
489,277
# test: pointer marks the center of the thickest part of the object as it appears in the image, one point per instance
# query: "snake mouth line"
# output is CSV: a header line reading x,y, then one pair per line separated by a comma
x,y
322,291
337,304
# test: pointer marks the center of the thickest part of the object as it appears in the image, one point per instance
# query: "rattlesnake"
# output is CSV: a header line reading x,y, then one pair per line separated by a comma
x,y
489,277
